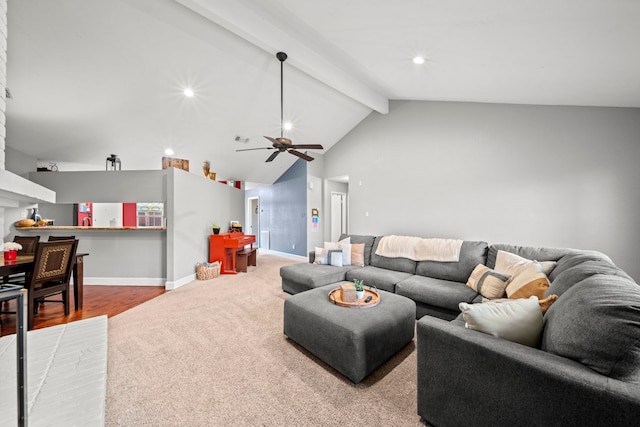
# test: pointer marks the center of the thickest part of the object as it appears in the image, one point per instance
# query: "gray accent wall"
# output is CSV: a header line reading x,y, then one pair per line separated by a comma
x,y
283,210
551,176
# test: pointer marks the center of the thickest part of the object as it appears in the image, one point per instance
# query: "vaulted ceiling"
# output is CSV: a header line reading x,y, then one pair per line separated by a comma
x,y
91,77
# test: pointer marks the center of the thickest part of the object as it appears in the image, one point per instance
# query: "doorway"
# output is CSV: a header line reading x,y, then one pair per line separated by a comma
x,y
253,218
338,215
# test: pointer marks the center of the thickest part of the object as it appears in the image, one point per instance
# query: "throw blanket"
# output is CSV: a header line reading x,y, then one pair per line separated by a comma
x,y
417,249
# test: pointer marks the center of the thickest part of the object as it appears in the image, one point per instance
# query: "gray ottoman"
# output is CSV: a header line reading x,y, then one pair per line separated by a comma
x,y
354,341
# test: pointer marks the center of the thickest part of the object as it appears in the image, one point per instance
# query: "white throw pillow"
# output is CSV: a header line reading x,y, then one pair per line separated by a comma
x,y
345,246
346,253
508,263
514,320
335,258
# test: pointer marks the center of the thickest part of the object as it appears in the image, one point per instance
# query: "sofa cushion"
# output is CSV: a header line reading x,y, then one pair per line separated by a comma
x,y
314,275
575,258
398,264
517,320
436,292
368,244
597,323
489,283
381,278
533,253
471,254
576,274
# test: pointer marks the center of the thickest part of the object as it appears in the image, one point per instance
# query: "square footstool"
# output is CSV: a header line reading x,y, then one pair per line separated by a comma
x,y
354,341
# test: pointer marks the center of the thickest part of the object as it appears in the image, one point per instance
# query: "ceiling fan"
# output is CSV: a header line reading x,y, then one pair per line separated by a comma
x,y
283,144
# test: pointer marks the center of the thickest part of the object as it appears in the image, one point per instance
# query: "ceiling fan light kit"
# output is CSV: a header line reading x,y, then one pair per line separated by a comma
x,y
282,144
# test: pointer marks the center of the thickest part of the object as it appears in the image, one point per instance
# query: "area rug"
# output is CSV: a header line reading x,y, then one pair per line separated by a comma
x,y
212,353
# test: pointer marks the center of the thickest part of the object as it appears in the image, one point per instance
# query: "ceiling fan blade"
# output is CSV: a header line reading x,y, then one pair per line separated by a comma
x,y
272,156
259,148
301,155
275,142
310,146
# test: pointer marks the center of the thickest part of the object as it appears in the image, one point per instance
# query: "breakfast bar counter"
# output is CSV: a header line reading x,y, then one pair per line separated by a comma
x,y
79,228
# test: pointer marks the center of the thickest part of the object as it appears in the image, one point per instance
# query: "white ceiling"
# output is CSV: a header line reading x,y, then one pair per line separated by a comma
x,y
93,77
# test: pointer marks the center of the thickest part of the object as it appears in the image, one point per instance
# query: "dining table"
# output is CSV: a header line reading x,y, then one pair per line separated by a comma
x,y
24,264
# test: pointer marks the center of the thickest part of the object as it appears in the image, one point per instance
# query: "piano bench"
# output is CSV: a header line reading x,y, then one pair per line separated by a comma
x,y
244,258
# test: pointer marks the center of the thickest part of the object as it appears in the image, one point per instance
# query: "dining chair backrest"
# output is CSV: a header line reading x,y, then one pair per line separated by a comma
x,y
53,263
52,238
28,244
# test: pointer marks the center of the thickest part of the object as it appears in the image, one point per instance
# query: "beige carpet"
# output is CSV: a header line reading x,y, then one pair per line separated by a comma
x,y
212,353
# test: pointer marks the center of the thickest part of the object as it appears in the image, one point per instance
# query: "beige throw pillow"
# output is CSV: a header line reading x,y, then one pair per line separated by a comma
x,y
487,282
357,254
529,280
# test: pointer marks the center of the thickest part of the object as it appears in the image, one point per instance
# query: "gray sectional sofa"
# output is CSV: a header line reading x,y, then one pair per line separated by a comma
x,y
586,370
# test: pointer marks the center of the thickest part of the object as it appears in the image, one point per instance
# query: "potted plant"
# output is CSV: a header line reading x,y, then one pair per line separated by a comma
x,y
215,228
359,285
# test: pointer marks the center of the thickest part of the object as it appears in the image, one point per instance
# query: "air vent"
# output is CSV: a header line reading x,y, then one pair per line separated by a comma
x,y
241,139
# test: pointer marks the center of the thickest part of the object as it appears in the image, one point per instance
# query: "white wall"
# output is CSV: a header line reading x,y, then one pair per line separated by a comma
x,y
525,175
196,204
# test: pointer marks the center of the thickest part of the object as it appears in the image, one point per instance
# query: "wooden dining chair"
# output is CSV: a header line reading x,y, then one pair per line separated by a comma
x,y
51,274
28,244
52,238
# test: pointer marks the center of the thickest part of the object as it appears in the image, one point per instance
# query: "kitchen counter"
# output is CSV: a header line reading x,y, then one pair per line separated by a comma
x,y
78,228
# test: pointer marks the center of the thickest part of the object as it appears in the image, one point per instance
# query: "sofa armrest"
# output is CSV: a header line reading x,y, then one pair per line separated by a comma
x,y
466,377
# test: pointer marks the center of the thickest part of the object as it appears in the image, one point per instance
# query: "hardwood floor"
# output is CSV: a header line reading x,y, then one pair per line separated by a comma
x,y
98,300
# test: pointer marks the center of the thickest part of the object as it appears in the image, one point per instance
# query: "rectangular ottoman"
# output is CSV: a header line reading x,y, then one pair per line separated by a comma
x,y
354,341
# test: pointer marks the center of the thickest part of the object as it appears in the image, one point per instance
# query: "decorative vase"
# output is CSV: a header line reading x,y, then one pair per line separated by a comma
x,y
359,295
215,230
10,255
35,216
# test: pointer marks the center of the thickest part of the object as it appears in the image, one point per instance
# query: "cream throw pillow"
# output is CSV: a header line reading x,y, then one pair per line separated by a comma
x,y
508,263
527,281
515,320
322,256
487,282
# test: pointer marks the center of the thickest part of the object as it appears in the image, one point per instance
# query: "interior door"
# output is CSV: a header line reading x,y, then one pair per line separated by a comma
x,y
254,218
338,215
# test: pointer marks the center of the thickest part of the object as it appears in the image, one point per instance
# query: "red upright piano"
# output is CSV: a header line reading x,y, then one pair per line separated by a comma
x,y
223,248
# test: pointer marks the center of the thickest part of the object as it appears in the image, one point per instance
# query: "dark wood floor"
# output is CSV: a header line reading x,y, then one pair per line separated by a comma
x,y
98,300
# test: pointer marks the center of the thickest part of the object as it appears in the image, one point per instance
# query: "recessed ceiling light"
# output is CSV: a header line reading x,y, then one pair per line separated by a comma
x,y
168,152
288,126
419,60
188,92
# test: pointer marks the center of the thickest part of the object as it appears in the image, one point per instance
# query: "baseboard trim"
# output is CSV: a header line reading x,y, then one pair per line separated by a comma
x,y
125,281
169,286
283,254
